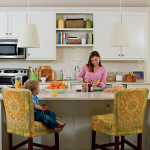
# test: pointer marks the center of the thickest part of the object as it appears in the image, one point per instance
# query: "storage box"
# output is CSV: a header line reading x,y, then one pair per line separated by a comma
x,y
75,23
74,41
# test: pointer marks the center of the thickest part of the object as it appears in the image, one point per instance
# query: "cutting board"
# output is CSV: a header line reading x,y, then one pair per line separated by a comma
x,y
46,72
44,67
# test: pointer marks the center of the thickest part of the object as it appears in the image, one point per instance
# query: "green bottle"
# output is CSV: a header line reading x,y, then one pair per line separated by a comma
x,y
61,75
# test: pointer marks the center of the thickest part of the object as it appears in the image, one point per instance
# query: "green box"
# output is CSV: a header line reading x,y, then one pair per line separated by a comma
x,y
33,77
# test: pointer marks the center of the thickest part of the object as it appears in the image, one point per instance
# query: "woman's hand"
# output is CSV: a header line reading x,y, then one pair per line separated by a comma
x,y
96,83
88,80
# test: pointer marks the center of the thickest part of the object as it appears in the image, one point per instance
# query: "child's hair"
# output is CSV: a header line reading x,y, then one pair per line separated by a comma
x,y
31,85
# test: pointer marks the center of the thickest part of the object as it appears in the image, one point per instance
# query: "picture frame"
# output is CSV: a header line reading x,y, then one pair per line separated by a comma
x,y
139,74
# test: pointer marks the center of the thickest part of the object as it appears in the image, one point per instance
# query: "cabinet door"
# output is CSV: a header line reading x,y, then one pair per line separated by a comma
x,y
103,28
139,86
45,22
15,20
137,23
3,25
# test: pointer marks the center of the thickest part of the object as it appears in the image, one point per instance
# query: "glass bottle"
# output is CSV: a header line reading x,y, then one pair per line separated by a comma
x,y
84,87
90,87
61,75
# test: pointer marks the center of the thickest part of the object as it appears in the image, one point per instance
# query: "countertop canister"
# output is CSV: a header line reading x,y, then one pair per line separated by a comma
x,y
88,24
61,23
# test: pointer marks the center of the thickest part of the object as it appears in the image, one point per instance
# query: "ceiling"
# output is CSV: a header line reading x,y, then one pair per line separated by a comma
x,y
75,3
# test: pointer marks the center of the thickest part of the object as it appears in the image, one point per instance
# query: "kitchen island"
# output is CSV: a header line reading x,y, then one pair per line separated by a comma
x,y
76,109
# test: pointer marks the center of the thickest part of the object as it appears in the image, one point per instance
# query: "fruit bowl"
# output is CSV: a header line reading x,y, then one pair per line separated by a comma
x,y
58,90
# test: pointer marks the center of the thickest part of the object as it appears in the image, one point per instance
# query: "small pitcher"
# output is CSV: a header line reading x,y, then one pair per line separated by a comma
x,y
18,82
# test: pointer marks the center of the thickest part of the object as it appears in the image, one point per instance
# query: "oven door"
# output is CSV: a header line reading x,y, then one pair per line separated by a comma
x,y
5,81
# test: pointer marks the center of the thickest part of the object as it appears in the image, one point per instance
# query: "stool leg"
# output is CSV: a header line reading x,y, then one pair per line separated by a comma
x,y
139,141
9,135
30,144
122,142
57,140
116,142
93,139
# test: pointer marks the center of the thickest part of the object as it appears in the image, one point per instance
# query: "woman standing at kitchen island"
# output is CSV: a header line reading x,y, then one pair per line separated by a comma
x,y
93,71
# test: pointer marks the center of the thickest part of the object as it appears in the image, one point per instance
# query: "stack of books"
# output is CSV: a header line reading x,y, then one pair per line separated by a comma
x,y
61,38
73,40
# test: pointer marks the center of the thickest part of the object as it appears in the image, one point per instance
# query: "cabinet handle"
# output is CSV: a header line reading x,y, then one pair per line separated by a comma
x,y
28,54
6,33
119,55
122,55
10,33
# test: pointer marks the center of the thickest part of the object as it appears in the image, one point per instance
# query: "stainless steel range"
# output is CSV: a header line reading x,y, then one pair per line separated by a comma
x,y
6,74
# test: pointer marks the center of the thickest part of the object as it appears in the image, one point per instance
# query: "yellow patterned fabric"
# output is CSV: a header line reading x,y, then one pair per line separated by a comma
x,y
128,115
20,114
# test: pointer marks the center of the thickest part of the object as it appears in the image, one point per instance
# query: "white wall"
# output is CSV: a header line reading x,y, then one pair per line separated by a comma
x,y
68,58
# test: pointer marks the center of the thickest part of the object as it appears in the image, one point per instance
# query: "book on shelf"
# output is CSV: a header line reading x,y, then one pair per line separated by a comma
x,y
89,38
61,37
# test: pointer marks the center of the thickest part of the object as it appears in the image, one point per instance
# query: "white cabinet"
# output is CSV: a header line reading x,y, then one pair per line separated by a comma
x,y
3,25
103,28
46,29
10,23
138,26
138,86
137,22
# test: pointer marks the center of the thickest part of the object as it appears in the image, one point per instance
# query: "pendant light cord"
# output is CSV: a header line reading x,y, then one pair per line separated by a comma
x,y
120,11
28,7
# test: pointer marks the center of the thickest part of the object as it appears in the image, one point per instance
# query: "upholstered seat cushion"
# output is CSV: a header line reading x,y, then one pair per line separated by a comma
x,y
104,123
41,129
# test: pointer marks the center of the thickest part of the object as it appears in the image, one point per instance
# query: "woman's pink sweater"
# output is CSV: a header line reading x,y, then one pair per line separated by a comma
x,y
99,75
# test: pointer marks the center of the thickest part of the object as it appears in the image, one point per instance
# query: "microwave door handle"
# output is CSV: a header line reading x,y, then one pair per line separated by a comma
x,y
16,50
29,51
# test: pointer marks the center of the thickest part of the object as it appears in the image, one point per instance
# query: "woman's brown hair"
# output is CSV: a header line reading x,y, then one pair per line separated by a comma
x,y
90,65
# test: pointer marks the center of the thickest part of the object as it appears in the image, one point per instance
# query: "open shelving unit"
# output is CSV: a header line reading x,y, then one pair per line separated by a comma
x,y
75,32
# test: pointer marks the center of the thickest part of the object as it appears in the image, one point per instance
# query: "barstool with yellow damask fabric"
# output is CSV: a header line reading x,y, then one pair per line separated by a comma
x,y
20,119
126,119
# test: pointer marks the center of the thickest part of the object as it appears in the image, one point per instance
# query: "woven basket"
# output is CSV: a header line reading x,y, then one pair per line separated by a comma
x,y
75,23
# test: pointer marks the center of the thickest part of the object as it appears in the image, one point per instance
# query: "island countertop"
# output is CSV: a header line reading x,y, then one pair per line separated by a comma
x,y
73,95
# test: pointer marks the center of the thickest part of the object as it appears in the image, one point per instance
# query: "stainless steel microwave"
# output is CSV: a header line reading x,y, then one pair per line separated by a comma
x,y
9,49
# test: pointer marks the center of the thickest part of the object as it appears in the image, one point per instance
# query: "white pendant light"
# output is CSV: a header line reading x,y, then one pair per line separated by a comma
x,y
28,37
120,34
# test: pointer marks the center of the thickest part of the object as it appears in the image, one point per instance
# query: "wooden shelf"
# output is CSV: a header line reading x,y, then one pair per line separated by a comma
x,y
74,29
74,45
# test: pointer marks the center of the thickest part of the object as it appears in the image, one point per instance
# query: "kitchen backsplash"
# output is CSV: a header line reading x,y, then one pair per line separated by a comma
x,y
68,58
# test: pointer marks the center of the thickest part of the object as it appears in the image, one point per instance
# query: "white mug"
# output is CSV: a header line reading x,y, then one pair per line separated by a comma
x,y
43,79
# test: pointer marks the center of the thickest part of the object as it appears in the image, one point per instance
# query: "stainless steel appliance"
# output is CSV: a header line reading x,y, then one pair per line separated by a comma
x,y
6,74
9,49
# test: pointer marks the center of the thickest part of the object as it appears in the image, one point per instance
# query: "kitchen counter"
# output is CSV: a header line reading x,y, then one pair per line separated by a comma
x,y
70,95
75,108
73,95
76,82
